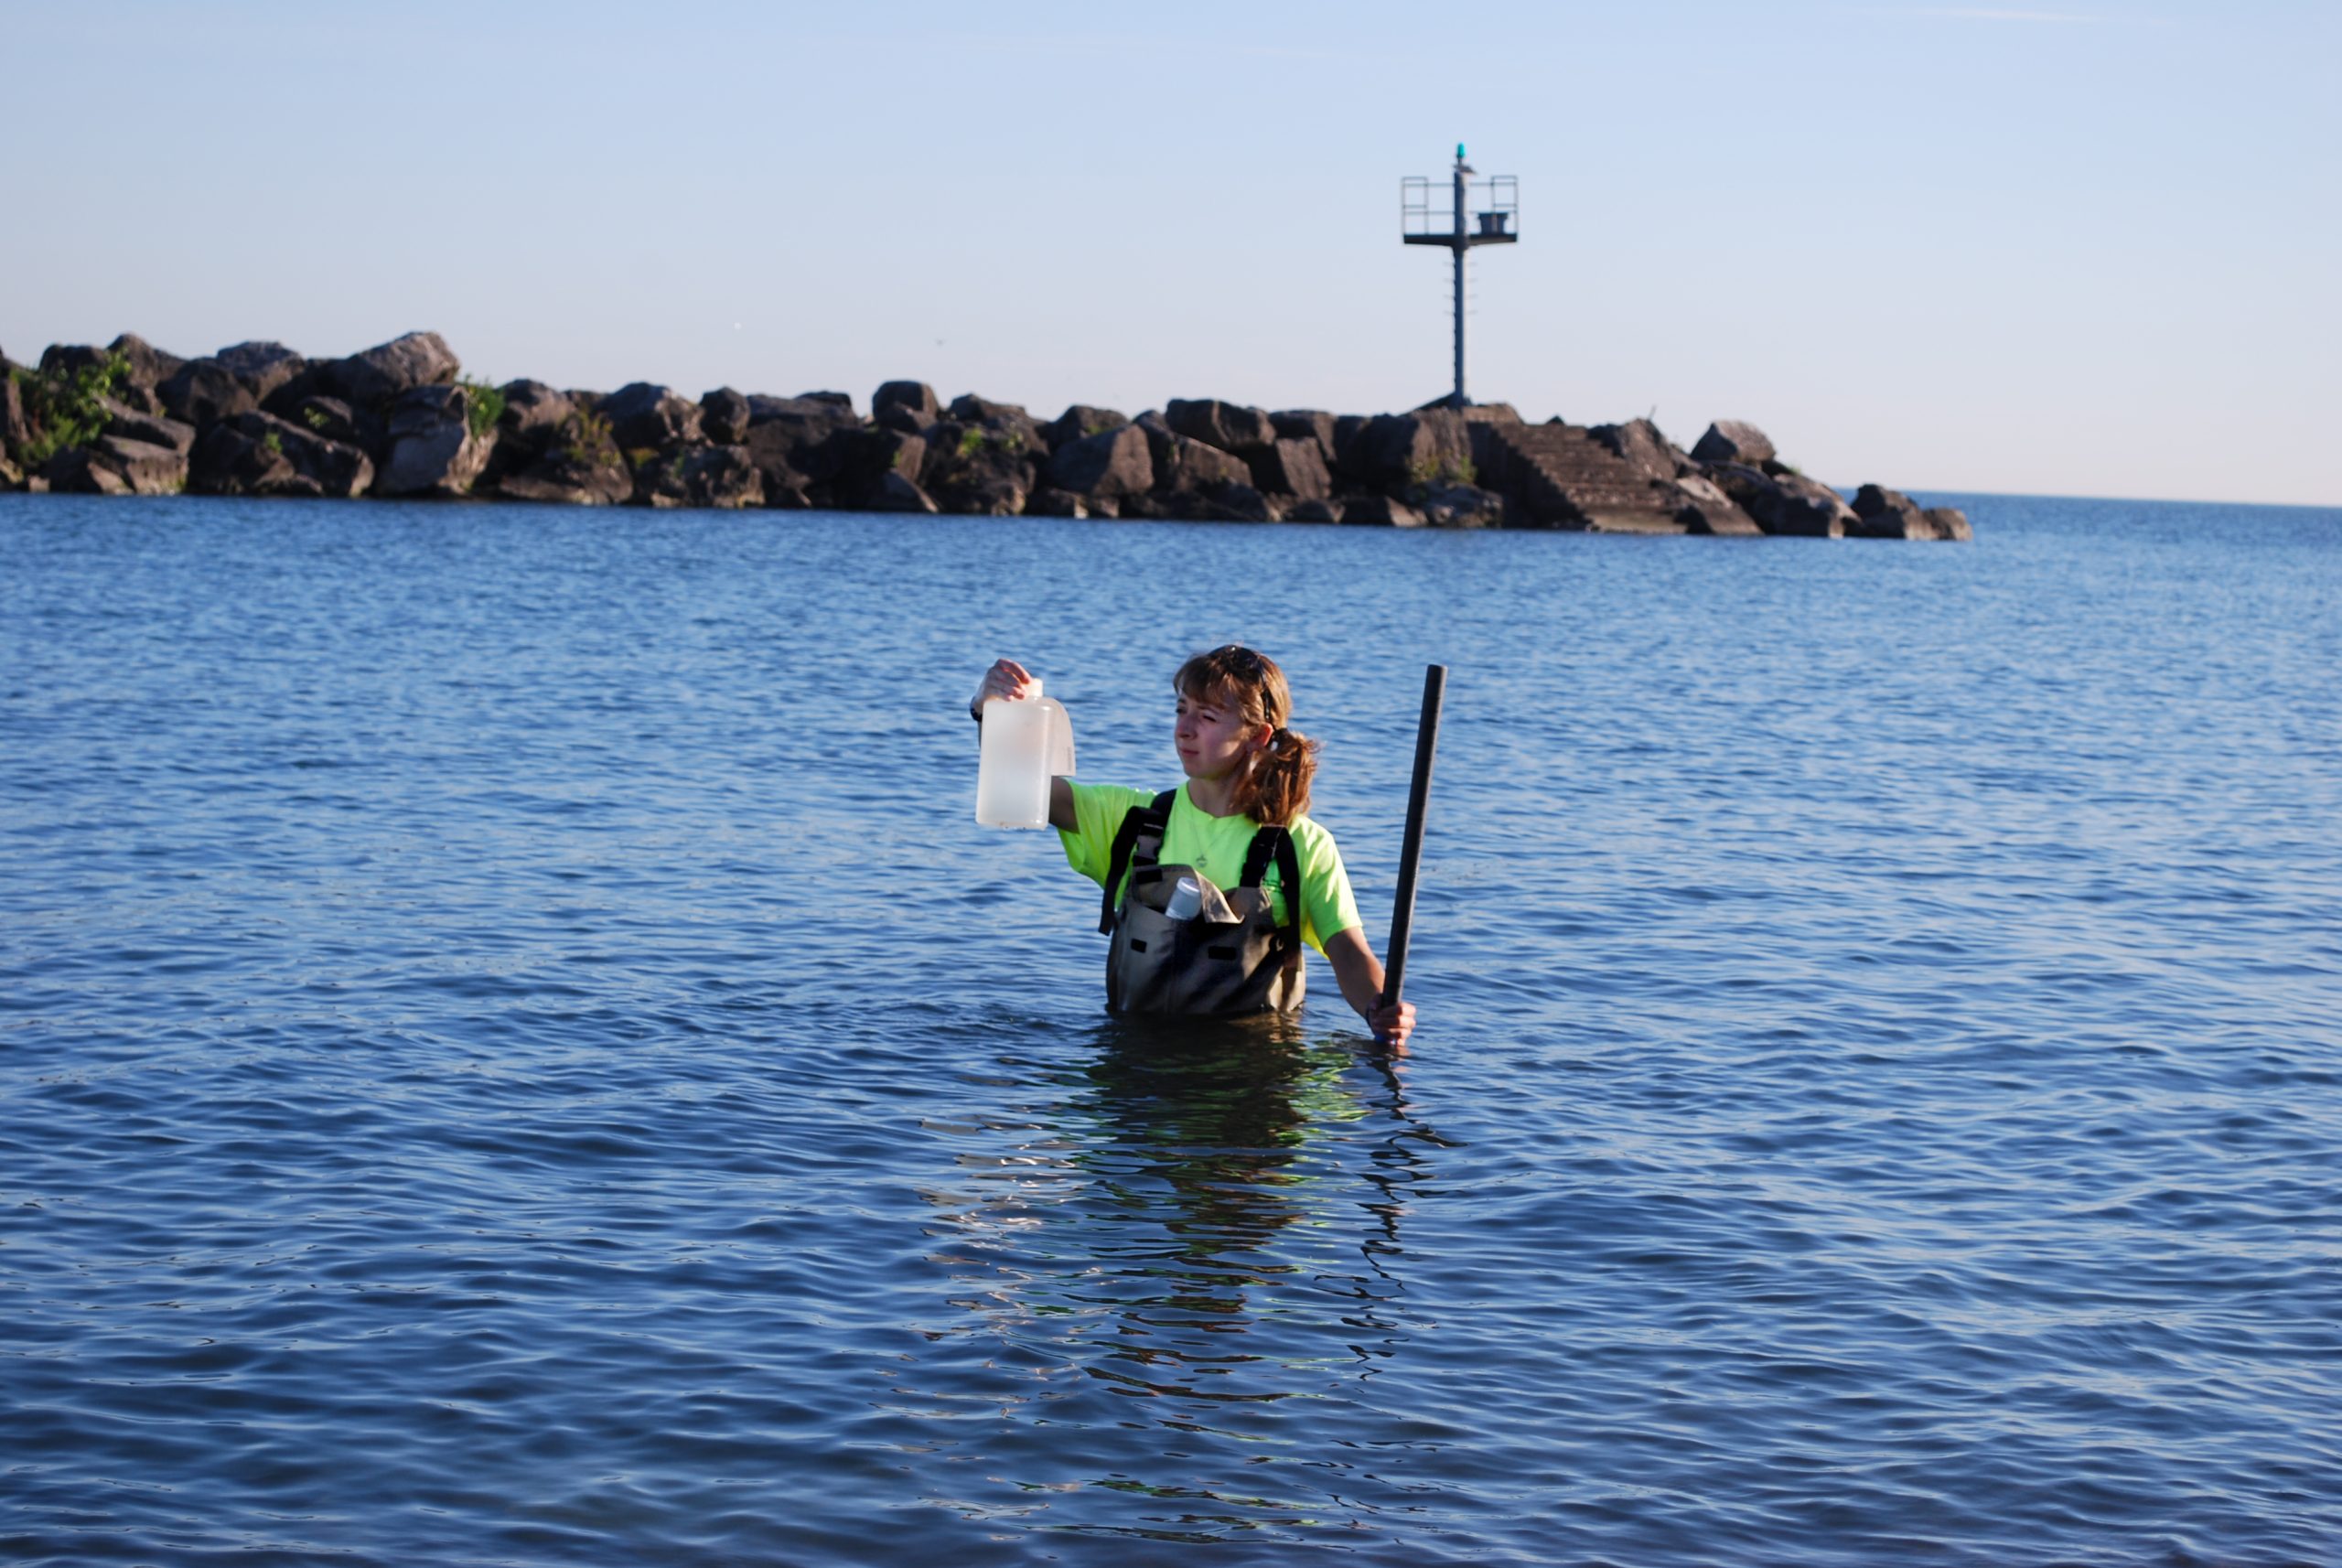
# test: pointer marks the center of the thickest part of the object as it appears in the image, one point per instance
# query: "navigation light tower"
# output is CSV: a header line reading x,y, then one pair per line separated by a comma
x,y
1496,212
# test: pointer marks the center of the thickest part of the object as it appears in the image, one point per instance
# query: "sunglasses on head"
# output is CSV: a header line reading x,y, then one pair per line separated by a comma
x,y
1235,656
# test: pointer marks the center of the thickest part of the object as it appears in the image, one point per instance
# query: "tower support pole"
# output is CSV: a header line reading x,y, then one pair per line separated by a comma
x,y
1463,244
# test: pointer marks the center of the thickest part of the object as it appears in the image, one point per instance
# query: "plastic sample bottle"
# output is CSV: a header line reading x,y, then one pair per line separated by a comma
x,y
1028,741
1186,900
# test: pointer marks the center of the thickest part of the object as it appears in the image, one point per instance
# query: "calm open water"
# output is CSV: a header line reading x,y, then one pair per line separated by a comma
x,y
512,1050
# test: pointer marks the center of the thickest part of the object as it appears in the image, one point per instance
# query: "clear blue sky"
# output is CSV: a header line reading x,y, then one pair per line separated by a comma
x,y
2087,249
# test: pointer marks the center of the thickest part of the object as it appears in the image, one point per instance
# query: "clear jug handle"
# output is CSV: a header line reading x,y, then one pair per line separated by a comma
x,y
1060,739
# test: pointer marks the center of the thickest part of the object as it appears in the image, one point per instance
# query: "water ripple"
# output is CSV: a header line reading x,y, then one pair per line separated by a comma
x,y
511,1053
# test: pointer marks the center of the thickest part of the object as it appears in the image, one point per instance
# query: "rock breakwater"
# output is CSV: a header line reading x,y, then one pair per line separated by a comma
x,y
401,419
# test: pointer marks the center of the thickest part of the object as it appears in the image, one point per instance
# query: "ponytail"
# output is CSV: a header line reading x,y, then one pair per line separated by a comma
x,y
1274,788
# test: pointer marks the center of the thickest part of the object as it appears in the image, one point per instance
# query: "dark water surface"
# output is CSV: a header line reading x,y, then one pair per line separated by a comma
x,y
513,1051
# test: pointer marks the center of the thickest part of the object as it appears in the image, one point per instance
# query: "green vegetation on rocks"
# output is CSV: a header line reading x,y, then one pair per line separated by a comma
x,y
68,408
483,406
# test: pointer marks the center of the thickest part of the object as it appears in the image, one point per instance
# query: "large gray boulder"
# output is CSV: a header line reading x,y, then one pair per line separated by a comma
x,y
577,463
152,429
336,420
63,359
865,461
1185,465
1951,524
1702,508
535,418
148,367
1079,421
1735,441
1394,452
1105,467
645,417
724,416
1307,424
257,454
1231,427
1295,468
725,478
1785,503
151,469
1007,421
229,461
1241,503
982,470
435,444
792,439
203,392
1462,506
1881,514
368,381
261,366
916,401
402,365
898,493
84,471
1639,444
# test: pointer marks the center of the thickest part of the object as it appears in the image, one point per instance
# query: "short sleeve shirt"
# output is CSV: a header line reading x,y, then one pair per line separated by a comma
x,y
1216,846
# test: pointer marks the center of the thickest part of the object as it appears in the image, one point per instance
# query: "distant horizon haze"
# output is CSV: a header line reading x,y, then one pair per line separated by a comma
x,y
2085,251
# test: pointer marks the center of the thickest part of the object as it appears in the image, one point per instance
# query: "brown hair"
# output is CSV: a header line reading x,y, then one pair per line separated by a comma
x,y
1275,785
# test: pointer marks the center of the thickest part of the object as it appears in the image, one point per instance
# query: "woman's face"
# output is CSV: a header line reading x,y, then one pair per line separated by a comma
x,y
1212,738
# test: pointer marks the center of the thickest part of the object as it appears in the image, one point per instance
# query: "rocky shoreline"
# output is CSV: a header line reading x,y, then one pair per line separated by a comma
x,y
402,420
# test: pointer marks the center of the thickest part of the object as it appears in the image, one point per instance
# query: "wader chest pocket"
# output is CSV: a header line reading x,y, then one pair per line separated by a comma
x,y
1236,957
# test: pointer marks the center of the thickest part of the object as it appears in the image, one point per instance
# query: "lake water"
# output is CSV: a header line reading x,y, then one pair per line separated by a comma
x,y
512,1050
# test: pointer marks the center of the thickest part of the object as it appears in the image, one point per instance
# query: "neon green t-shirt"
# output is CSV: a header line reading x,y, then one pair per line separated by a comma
x,y
1215,846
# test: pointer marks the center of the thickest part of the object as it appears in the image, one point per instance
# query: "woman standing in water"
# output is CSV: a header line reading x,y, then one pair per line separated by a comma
x,y
1200,882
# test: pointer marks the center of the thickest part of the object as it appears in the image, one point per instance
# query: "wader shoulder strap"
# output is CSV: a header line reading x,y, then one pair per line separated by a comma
x,y
1156,817
1278,844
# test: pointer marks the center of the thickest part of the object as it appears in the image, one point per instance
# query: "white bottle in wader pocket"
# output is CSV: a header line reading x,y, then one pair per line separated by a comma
x,y
1028,741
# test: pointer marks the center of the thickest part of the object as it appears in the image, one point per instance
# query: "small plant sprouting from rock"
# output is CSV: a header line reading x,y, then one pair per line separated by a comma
x,y
483,406
585,438
315,419
976,438
68,407
273,443
1425,471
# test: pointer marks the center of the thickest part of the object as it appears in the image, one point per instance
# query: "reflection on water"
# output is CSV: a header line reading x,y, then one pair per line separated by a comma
x,y
1201,1222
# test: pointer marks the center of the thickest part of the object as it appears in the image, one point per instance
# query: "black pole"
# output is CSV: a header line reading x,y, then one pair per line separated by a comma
x,y
1402,907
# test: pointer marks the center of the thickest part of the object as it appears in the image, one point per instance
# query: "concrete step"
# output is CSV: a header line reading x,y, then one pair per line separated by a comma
x,y
1559,475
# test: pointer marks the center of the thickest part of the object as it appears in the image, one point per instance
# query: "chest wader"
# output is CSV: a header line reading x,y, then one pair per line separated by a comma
x,y
1199,967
